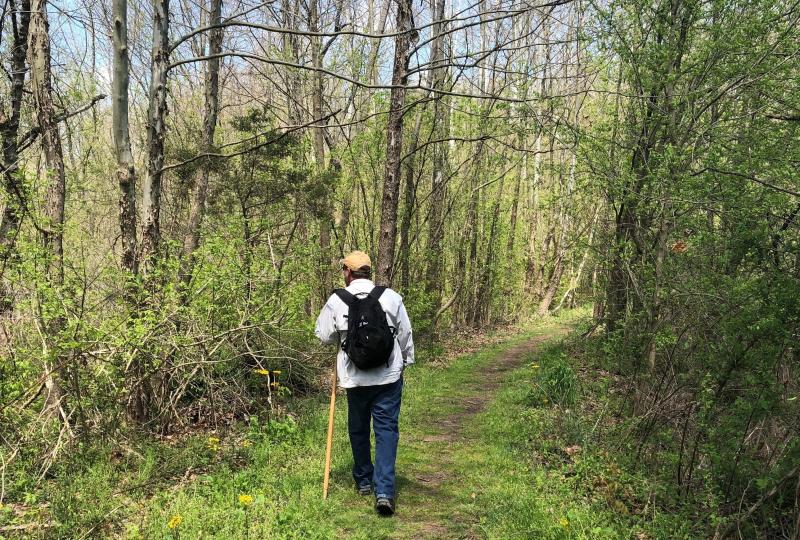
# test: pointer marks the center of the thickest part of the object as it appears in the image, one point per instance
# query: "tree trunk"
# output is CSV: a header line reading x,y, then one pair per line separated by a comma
x,y
126,177
197,206
16,193
412,175
394,147
487,274
532,264
473,272
410,196
617,294
552,286
291,51
655,300
470,267
566,200
52,228
560,245
522,173
603,306
441,158
126,174
575,281
521,176
326,261
156,130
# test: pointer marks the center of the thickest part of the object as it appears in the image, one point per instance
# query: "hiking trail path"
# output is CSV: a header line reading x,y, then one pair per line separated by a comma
x,y
442,421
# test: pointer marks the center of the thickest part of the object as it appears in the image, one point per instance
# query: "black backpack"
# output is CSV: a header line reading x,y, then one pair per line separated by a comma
x,y
370,339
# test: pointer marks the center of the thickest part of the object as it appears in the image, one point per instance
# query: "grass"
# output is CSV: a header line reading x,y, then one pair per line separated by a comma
x,y
539,474
487,451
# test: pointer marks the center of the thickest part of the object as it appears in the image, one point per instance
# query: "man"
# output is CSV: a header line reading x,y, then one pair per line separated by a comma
x,y
373,392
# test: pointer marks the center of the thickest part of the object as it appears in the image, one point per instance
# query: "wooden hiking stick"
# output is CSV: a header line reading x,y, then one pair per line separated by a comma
x,y
330,439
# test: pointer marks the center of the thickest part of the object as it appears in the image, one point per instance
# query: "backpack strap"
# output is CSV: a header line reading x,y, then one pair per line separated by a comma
x,y
377,291
347,297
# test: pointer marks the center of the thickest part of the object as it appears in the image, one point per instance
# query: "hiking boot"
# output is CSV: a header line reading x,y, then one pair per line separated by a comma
x,y
364,490
384,506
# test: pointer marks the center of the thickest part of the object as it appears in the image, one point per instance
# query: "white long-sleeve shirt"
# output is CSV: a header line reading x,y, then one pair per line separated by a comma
x,y
332,329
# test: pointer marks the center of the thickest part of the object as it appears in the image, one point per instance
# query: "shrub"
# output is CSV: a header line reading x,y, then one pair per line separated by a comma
x,y
554,381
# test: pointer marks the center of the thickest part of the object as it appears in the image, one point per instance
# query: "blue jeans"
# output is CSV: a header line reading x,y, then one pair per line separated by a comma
x,y
382,403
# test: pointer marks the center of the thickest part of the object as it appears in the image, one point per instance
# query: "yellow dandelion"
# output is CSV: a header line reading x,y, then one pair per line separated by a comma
x,y
245,500
564,522
175,521
275,384
535,366
277,372
246,444
213,444
261,371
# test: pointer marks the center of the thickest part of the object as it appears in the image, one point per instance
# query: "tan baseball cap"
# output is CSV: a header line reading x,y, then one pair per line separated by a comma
x,y
356,260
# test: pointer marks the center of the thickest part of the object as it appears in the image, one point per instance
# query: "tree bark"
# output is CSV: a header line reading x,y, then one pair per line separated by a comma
x,y
566,201
156,131
126,174
39,54
126,177
291,51
52,228
197,206
409,202
559,248
470,246
532,264
326,220
441,158
472,272
521,176
412,174
487,275
575,280
394,147
16,192
522,141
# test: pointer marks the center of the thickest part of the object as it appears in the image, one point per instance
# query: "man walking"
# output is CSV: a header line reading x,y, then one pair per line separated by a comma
x,y
372,372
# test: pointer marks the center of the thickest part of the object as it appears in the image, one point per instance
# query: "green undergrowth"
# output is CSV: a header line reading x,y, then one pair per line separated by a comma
x,y
510,459
540,468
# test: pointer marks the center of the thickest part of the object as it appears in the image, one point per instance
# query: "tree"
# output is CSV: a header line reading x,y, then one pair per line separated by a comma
x,y
126,173
156,131
199,193
16,191
52,228
441,158
407,35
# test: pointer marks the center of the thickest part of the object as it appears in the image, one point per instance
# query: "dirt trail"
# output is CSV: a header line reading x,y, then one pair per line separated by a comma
x,y
427,510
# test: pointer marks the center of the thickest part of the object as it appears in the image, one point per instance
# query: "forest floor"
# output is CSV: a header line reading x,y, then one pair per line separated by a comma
x,y
482,455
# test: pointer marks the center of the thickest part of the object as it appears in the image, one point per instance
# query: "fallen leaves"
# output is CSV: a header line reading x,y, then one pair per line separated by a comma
x,y
679,247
